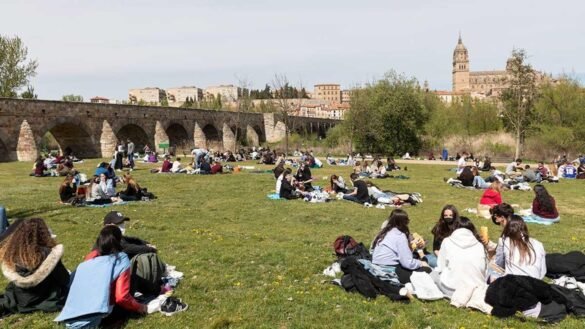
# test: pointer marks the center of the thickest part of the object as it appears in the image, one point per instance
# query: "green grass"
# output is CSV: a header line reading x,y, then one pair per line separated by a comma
x,y
250,262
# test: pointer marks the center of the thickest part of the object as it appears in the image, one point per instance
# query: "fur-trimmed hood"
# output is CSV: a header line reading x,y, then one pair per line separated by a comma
x,y
42,272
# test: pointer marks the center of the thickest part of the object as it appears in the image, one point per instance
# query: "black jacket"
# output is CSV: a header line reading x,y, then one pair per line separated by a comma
x,y
512,293
287,191
357,279
43,290
571,264
134,246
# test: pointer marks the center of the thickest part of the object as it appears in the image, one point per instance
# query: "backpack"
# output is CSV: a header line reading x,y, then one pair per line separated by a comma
x,y
345,246
146,272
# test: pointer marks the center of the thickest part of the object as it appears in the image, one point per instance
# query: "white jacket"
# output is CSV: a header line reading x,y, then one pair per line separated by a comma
x,y
462,260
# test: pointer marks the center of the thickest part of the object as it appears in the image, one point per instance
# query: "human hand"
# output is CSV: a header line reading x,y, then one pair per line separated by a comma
x,y
420,243
151,246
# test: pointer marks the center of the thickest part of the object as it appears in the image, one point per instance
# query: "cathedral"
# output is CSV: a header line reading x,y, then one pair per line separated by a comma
x,y
480,83
487,83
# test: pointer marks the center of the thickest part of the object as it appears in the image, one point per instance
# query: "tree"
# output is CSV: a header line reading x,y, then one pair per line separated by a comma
x,y
15,69
388,116
559,109
29,93
284,105
518,98
243,104
72,98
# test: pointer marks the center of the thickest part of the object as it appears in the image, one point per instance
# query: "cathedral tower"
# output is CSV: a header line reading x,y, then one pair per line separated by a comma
x,y
460,68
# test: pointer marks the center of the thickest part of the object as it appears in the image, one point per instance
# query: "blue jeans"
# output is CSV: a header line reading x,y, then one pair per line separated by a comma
x,y
352,198
479,182
431,260
3,220
91,321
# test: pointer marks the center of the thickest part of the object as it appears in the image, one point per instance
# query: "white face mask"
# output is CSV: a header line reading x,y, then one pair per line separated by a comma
x,y
122,228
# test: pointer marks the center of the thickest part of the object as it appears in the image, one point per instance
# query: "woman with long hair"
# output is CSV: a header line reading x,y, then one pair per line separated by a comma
x,y
31,263
67,190
107,276
544,209
463,259
392,249
519,254
337,184
444,227
132,191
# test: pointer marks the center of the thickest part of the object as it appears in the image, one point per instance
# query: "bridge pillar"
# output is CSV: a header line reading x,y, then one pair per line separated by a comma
x,y
199,139
107,140
26,149
275,131
252,136
160,135
229,140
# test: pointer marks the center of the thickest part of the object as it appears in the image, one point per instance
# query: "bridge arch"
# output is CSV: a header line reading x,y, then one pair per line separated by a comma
x,y
4,152
178,136
71,136
136,134
213,137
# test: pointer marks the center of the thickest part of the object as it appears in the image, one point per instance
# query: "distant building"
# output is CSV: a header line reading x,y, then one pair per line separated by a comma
x,y
346,96
338,111
330,92
177,96
228,93
148,95
100,100
478,83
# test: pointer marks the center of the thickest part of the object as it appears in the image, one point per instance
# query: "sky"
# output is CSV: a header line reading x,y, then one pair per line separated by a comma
x,y
104,48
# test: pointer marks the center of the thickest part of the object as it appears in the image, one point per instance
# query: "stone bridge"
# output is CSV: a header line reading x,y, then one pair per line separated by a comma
x,y
92,130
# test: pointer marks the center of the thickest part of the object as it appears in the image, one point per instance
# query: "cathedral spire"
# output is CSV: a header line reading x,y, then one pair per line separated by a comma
x,y
460,37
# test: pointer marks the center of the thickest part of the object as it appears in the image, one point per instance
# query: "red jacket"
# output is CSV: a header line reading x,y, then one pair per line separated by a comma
x,y
491,197
538,211
120,290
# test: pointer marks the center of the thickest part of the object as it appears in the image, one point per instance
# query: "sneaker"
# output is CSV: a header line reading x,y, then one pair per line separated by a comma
x,y
367,204
173,305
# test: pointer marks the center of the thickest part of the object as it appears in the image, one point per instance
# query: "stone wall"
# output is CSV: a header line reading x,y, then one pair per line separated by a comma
x,y
92,130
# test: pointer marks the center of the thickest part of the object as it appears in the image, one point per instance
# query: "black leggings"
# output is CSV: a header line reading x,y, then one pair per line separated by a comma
x,y
404,273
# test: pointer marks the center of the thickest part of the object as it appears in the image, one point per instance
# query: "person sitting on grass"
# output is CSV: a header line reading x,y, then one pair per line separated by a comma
x,y
133,192
513,169
105,274
217,168
391,164
491,197
581,171
519,254
360,191
568,170
337,184
462,261
543,206
279,169
101,191
392,249
287,187
378,170
176,168
39,168
138,251
204,167
530,175
67,190
305,177
444,227
166,165
465,178
478,181
31,263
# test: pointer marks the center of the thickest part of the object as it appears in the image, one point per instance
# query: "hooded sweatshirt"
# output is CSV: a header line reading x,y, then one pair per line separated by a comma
x,y
462,261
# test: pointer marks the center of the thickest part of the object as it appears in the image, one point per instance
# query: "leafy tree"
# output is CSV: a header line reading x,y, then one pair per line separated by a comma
x,y
519,97
15,69
29,93
164,102
559,110
388,115
72,98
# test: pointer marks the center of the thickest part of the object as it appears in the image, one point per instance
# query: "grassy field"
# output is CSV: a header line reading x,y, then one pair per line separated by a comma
x,y
250,262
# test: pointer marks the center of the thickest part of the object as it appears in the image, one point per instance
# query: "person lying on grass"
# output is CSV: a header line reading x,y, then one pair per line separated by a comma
x,y
388,197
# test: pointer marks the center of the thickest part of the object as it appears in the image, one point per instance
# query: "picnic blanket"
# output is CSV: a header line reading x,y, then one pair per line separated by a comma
x,y
121,203
274,196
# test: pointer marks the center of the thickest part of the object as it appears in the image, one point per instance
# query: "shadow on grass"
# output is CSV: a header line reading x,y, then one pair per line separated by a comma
x,y
26,213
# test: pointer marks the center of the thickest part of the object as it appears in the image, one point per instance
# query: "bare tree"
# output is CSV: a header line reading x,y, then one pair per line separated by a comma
x,y
519,97
279,84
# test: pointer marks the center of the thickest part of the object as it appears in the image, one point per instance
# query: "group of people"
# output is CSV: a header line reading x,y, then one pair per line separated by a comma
x,y
464,264
199,165
100,189
54,166
103,287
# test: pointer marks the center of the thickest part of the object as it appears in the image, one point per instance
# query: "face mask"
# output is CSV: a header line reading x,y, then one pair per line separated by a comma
x,y
122,228
448,219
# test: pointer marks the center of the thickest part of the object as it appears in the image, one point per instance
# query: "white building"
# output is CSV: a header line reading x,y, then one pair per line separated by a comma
x,y
228,93
180,94
149,95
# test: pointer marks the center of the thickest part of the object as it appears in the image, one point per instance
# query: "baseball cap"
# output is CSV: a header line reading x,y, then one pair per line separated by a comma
x,y
114,217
